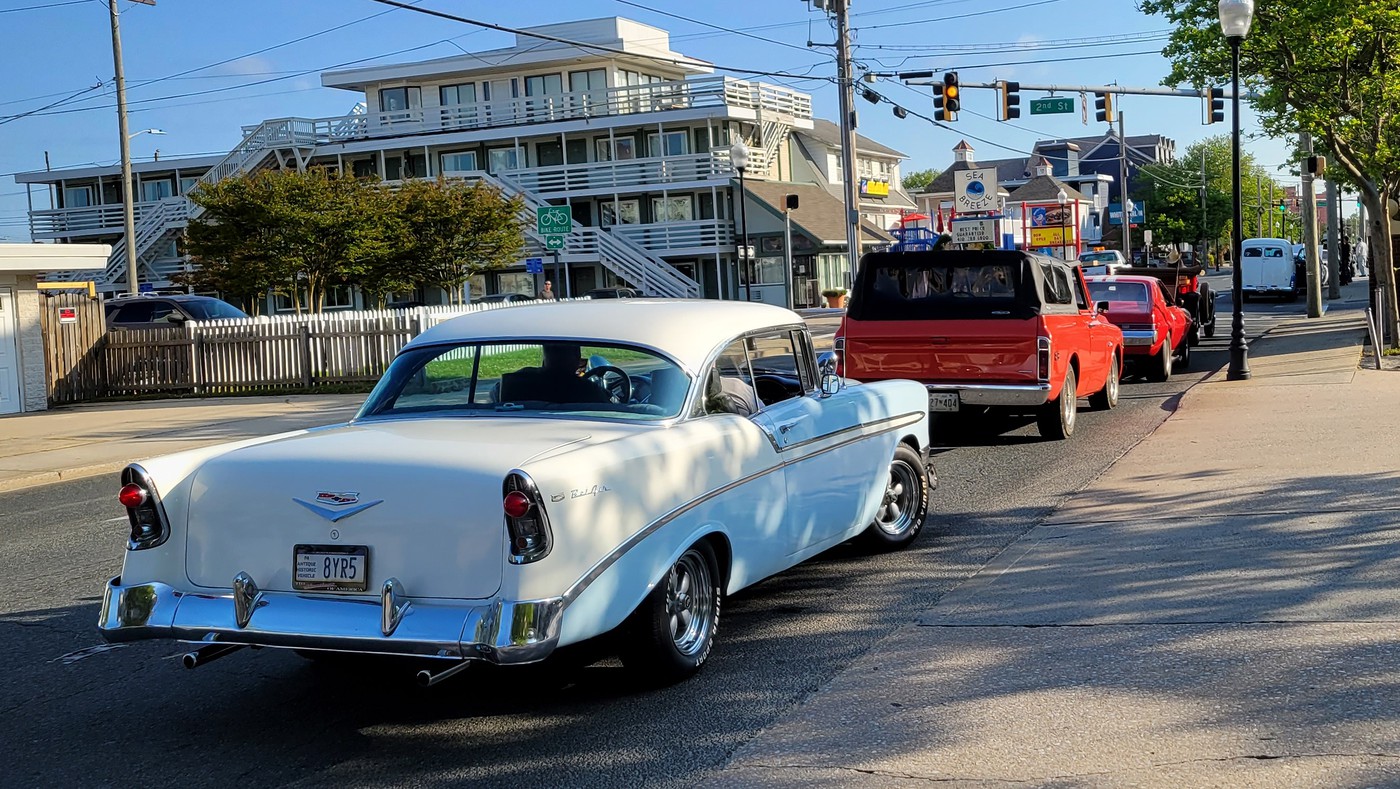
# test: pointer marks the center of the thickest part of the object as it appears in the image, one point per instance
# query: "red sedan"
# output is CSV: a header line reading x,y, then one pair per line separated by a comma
x,y
1156,334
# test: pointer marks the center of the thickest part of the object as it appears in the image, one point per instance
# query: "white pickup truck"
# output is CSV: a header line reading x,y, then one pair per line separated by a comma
x,y
1104,261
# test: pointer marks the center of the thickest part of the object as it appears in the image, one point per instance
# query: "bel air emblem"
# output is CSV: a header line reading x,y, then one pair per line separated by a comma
x,y
334,505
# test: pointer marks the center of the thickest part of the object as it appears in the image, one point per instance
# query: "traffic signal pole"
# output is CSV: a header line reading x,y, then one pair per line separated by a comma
x,y
1125,203
846,90
912,79
1310,250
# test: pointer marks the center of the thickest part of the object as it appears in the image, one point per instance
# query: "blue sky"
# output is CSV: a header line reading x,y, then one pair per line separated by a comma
x,y
48,54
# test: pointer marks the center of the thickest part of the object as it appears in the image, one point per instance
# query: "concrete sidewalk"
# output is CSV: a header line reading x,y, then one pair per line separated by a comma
x,y
1220,608
87,440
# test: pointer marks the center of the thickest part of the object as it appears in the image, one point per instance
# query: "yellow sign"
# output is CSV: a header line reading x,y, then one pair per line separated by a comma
x,y
874,188
1051,236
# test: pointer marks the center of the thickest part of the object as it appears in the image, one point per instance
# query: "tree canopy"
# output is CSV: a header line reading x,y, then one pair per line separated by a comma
x,y
1327,67
918,180
300,233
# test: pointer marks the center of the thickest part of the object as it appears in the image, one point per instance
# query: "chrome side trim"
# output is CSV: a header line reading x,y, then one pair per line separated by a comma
x,y
602,566
1136,337
889,423
393,604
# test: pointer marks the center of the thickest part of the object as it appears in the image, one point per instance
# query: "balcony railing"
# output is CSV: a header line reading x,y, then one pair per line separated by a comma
x,y
606,102
52,223
671,237
626,174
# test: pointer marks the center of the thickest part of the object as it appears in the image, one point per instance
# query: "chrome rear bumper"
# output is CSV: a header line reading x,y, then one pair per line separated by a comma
x,y
997,394
496,631
1139,338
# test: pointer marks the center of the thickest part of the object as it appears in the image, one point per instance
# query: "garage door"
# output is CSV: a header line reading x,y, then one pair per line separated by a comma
x,y
9,354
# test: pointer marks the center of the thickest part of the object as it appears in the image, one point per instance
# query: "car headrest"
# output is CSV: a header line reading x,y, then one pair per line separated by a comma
x,y
668,386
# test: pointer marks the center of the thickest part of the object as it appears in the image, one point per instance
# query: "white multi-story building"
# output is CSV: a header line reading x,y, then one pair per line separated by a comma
x,y
634,141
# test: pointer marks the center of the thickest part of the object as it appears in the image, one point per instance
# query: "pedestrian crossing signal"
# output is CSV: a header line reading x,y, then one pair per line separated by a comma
x,y
1212,106
1103,107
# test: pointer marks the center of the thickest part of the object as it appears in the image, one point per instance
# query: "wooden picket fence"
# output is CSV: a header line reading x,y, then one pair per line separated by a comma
x,y
264,354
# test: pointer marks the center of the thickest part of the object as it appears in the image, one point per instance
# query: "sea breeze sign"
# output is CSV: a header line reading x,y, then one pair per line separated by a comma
x,y
975,191
974,231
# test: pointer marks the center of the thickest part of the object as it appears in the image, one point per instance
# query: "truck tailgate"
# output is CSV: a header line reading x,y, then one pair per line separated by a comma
x,y
985,351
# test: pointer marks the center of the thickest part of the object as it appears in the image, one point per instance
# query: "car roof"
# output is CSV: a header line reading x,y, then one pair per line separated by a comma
x,y
1123,278
685,329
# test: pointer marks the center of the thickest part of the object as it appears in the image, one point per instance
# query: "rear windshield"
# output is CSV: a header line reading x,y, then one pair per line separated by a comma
x,y
925,286
1264,252
1119,293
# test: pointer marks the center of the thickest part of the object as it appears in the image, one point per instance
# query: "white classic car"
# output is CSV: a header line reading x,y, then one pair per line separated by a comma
x,y
525,479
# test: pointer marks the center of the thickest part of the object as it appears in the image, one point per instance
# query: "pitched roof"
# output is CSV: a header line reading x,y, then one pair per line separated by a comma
x,y
1043,188
821,215
829,133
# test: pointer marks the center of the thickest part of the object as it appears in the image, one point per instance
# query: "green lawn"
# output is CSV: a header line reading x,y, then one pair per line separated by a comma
x,y
496,364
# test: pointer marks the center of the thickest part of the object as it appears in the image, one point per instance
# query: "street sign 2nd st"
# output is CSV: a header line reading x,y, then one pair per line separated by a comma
x,y
1055,105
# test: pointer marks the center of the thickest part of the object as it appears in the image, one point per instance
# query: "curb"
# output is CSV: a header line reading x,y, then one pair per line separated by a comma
x,y
64,475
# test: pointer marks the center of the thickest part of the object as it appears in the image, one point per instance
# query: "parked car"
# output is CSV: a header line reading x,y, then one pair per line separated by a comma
x,y
1268,267
1156,332
613,293
503,298
1008,330
1191,292
1102,261
1300,266
165,312
524,479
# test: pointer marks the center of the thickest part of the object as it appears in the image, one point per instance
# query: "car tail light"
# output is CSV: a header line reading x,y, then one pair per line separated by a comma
x,y
149,527
838,347
1042,358
527,524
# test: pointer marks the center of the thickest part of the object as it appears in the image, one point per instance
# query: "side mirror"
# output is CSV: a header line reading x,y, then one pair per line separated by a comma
x,y
831,384
1102,307
826,363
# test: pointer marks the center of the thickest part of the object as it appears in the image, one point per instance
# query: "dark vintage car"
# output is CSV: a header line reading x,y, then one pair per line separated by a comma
x,y
166,312
1190,291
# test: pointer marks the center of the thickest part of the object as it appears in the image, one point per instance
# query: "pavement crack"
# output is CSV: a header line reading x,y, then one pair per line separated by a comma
x,y
1268,757
926,778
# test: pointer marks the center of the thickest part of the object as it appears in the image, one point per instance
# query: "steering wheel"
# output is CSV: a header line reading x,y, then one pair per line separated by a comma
x,y
619,389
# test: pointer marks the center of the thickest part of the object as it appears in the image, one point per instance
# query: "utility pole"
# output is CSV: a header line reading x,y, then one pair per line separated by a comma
x,y
1271,215
1204,255
1125,204
1334,242
1310,250
850,186
128,209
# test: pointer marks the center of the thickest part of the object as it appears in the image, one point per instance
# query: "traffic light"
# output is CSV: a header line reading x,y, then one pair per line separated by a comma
x,y
947,98
1010,100
1103,107
1212,106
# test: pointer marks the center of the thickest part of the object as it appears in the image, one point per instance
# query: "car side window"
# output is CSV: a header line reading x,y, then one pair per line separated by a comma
x,y
806,359
728,384
1166,294
773,357
163,312
1075,283
139,312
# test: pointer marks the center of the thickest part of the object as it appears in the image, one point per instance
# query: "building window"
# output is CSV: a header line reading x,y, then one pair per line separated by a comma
x,y
461,162
593,84
364,168
152,191
515,282
502,159
399,100
544,85
621,148
457,95
676,143
625,212
77,197
188,185
676,208
767,271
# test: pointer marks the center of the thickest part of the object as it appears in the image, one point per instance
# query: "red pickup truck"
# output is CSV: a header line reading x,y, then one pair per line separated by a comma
x,y
982,329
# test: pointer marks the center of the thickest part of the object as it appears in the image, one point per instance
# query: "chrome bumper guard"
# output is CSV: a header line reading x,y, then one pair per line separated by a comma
x,y
497,631
1131,338
997,394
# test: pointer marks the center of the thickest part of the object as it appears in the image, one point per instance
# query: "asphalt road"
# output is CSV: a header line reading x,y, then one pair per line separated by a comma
x,y
74,712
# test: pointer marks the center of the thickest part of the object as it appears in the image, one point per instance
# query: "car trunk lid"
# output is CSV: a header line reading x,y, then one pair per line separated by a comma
x,y
422,496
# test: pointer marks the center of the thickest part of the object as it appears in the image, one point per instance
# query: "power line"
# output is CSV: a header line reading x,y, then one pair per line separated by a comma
x,y
587,45
8,118
1002,46
985,12
714,26
37,7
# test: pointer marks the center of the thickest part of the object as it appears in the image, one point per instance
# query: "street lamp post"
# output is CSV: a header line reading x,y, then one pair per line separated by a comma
x,y
739,157
1063,200
1235,18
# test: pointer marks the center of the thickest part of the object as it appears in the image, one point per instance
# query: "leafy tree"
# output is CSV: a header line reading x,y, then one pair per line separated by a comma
x,y
918,180
447,231
284,230
1327,67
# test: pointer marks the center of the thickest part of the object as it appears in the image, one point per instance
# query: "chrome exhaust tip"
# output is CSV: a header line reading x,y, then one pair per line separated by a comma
x,y
427,679
206,655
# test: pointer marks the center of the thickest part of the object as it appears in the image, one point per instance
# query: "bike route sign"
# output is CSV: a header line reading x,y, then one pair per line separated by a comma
x,y
551,220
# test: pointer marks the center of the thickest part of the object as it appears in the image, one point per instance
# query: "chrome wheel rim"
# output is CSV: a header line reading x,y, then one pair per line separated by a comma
x,y
1069,405
896,513
1113,381
1167,354
690,603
